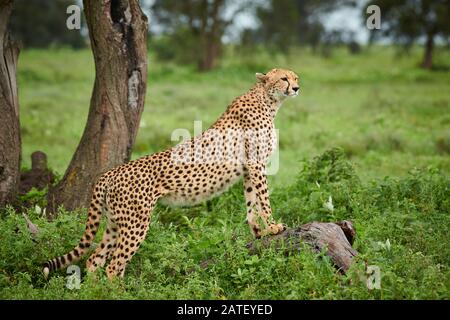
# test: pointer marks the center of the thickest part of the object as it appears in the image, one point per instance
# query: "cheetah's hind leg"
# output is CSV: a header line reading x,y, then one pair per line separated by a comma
x,y
106,248
132,233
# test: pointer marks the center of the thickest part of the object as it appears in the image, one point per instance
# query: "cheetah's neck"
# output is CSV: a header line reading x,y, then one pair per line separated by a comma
x,y
258,98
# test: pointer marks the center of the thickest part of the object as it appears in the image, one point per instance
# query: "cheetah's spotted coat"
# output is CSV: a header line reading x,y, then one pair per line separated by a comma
x,y
237,145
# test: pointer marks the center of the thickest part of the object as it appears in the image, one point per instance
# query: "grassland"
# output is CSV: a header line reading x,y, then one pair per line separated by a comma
x,y
386,113
391,119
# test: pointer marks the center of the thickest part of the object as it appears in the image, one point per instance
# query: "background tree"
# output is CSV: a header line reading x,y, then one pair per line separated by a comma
x,y
10,144
406,21
118,33
198,24
40,23
285,23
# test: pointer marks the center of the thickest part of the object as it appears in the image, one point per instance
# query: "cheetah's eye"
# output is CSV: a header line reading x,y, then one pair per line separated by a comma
x,y
284,79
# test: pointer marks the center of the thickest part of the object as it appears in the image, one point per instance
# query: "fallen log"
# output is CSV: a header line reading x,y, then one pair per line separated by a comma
x,y
336,238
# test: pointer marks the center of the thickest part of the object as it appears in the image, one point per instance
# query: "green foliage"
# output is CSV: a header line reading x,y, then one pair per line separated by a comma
x,y
200,253
326,189
407,20
180,47
387,116
42,23
443,143
382,112
286,23
34,197
193,30
331,166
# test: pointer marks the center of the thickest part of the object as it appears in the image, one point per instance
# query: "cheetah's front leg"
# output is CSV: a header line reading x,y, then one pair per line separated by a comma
x,y
256,194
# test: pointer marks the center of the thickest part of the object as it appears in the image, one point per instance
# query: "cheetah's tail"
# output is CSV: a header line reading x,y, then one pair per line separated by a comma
x,y
92,225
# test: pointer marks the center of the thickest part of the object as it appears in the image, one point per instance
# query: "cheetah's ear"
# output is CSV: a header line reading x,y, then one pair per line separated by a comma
x,y
261,77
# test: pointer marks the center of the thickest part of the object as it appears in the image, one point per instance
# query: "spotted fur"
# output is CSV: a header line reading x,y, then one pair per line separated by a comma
x,y
236,146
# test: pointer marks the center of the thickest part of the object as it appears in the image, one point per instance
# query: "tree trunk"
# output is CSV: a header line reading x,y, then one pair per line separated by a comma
x,y
336,238
118,34
10,143
210,35
427,62
209,53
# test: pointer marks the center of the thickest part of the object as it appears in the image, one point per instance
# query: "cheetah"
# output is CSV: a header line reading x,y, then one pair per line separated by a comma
x,y
237,146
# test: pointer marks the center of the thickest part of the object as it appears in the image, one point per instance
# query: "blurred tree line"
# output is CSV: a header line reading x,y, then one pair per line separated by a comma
x,y
194,31
286,23
42,23
406,21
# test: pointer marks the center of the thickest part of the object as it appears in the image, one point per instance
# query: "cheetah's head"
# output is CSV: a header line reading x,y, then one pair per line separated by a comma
x,y
279,83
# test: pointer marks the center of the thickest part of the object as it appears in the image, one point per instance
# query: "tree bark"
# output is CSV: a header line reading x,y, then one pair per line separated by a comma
x,y
10,141
427,62
335,238
118,34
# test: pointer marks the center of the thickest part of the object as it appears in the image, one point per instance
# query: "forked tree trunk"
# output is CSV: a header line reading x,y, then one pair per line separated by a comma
x,y
9,111
118,34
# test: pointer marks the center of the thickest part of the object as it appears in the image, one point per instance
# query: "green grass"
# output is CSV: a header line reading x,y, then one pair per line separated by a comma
x,y
199,253
390,118
387,114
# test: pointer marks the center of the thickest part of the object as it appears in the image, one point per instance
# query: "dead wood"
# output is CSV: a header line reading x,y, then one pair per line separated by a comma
x,y
335,238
